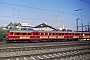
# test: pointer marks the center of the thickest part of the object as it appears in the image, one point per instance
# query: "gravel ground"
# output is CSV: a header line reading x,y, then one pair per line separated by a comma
x,y
16,53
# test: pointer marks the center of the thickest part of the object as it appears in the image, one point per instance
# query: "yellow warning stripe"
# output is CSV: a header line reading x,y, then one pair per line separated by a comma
x,y
43,36
24,37
52,36
60,36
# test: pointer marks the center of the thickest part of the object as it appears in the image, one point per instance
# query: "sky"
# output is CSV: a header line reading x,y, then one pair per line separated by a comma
x,y
36,12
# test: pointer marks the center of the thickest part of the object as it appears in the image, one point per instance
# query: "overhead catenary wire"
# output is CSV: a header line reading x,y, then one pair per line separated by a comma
x,y
18,16
40,9
85,1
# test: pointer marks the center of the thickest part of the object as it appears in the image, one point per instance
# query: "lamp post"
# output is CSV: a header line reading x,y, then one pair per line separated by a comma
x,y
77,23
81,19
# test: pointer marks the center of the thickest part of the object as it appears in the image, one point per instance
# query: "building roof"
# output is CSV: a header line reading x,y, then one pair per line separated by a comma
x,y
25,24
16,24
44,25
13,24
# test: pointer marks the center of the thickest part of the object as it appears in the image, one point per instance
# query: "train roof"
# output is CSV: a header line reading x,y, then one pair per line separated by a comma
x,y
45,31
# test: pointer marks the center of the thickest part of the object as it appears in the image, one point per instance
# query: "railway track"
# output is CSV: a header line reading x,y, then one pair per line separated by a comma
x,y
45,51
39,47
50,55
18,45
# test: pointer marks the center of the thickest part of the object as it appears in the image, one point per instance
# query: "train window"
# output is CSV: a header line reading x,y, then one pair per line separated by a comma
x,y
17,33
29,33
33,33
12,33
23,33
56,33
81,34
86,34
72,33
59,33
78,33
49,33
69,33
41,33
36,34
66,33
44,33
62,33
53,34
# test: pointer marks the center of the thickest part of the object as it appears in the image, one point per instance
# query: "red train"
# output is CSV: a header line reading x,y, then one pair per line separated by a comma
x,y
31,35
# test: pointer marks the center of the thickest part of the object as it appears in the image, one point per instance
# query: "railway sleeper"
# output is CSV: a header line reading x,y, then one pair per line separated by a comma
x,y
52,55
40,48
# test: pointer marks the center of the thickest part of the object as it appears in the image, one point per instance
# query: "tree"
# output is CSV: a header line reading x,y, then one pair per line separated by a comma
x,y
3,34
12,26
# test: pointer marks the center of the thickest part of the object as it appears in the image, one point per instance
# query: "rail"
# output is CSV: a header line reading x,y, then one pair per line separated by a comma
x,y
50,55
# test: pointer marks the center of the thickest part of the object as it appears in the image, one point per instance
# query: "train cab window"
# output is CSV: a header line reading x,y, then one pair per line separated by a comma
x,y
10,33
17,33
29,33
23,34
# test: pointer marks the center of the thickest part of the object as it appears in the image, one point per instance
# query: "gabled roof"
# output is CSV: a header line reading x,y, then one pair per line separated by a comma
x,y
13,24
16,24
44,25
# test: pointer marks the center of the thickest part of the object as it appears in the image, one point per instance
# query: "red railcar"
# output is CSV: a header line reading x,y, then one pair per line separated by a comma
x,y
31,35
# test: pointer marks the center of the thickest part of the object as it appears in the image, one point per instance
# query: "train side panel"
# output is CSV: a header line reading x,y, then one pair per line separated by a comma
x,y
43,35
